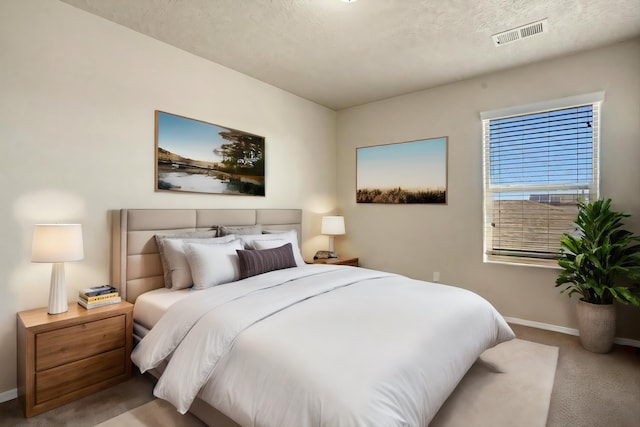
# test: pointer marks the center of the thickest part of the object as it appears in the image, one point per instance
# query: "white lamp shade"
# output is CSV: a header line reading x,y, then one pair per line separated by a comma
x,y
332,225
57,243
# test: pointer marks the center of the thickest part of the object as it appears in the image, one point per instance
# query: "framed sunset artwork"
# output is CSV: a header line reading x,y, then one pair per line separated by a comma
x,y
403,173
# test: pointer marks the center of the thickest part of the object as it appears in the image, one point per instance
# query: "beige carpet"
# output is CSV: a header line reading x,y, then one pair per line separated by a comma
x,y
510,385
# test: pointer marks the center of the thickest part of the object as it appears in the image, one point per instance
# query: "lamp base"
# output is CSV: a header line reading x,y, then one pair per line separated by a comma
x,y
58,290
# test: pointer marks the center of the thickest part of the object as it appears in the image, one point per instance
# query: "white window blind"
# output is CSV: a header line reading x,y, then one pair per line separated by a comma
x,y
537,167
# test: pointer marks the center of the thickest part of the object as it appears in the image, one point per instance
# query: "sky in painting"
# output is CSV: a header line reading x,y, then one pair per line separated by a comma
x,y
189,138
417,165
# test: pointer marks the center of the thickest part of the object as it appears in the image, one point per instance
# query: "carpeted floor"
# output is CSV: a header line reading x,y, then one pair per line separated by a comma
x,y
87,411
590,390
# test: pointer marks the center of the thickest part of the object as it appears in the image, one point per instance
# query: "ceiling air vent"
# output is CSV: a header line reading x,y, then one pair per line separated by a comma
x,y
520,33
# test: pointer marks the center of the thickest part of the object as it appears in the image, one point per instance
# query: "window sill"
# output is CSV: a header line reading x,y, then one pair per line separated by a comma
x,y
522,262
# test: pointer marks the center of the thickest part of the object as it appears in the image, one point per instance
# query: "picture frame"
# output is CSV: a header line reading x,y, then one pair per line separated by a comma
x,y
412,172
195,156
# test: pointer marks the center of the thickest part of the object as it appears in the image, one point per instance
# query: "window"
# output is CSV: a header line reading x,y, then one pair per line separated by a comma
x,y
539,162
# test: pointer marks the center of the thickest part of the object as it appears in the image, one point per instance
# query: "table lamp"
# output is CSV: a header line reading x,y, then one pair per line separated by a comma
x,y
57,244
331,226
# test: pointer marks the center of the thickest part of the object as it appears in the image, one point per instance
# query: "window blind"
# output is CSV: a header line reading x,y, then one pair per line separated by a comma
x,y
537,167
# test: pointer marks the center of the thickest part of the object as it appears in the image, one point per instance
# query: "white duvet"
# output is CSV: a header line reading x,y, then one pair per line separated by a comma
x,y
321,346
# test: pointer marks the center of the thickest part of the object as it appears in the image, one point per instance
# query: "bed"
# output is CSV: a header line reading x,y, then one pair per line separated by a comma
x,y
302,346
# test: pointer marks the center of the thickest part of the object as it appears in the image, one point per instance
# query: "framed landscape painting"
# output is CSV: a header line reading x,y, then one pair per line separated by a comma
x,y
403,173
200,157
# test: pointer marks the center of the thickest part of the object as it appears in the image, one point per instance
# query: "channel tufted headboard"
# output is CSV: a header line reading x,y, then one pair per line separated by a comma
x,y
136,266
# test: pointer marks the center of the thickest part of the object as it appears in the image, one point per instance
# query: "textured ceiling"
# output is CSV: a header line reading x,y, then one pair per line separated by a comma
x,y
344,54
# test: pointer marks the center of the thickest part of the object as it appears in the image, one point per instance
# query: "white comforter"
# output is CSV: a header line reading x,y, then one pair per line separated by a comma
x,y
321,346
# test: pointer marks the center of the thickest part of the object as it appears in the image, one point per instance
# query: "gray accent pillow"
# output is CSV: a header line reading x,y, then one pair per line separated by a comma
x,y
253,241
254,262
224,230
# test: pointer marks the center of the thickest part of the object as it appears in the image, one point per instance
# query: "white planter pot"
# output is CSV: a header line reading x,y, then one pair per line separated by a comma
x,y
597,324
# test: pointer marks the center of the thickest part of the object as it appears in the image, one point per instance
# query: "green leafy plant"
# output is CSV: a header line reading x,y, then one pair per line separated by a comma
x,y
600,253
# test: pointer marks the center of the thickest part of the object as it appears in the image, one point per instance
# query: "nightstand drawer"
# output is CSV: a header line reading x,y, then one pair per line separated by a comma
x,y
66,345
62,380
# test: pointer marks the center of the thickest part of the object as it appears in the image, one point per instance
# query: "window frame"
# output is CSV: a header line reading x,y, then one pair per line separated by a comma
x,y
595,99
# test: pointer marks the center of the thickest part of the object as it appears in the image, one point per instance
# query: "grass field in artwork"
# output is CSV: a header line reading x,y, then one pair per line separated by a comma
x,y
399,195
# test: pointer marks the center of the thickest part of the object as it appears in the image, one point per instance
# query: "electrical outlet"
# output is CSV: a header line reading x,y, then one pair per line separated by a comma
x,y
436,276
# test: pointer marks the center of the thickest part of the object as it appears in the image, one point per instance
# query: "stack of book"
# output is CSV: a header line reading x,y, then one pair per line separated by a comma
x,y
98,296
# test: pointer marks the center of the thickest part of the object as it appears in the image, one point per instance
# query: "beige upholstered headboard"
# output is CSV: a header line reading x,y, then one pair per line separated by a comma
x,y
136,266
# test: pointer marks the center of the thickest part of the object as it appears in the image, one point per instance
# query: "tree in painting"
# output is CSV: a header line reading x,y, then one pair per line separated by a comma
x,y
244,154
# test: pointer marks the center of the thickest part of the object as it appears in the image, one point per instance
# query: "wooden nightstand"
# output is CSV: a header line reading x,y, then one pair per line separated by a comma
x,y
63,357
337,261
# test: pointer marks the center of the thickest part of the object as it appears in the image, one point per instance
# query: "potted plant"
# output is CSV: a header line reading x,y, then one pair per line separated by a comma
x,y
593,260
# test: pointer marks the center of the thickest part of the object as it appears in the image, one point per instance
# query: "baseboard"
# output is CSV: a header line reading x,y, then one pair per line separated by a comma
x,y
564,330
627,341
5,396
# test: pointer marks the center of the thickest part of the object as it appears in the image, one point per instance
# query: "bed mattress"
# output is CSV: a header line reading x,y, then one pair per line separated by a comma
x,y
152,305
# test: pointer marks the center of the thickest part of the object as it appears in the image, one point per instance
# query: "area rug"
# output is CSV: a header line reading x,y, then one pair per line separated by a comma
x,y
509,385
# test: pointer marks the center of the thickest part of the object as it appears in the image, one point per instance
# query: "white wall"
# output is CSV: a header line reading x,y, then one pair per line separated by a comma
x,y
77,101
418,240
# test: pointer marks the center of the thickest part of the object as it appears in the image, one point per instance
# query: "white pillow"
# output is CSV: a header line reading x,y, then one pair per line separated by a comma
x,y
290,236
160,239
213,265
268,244
177,267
